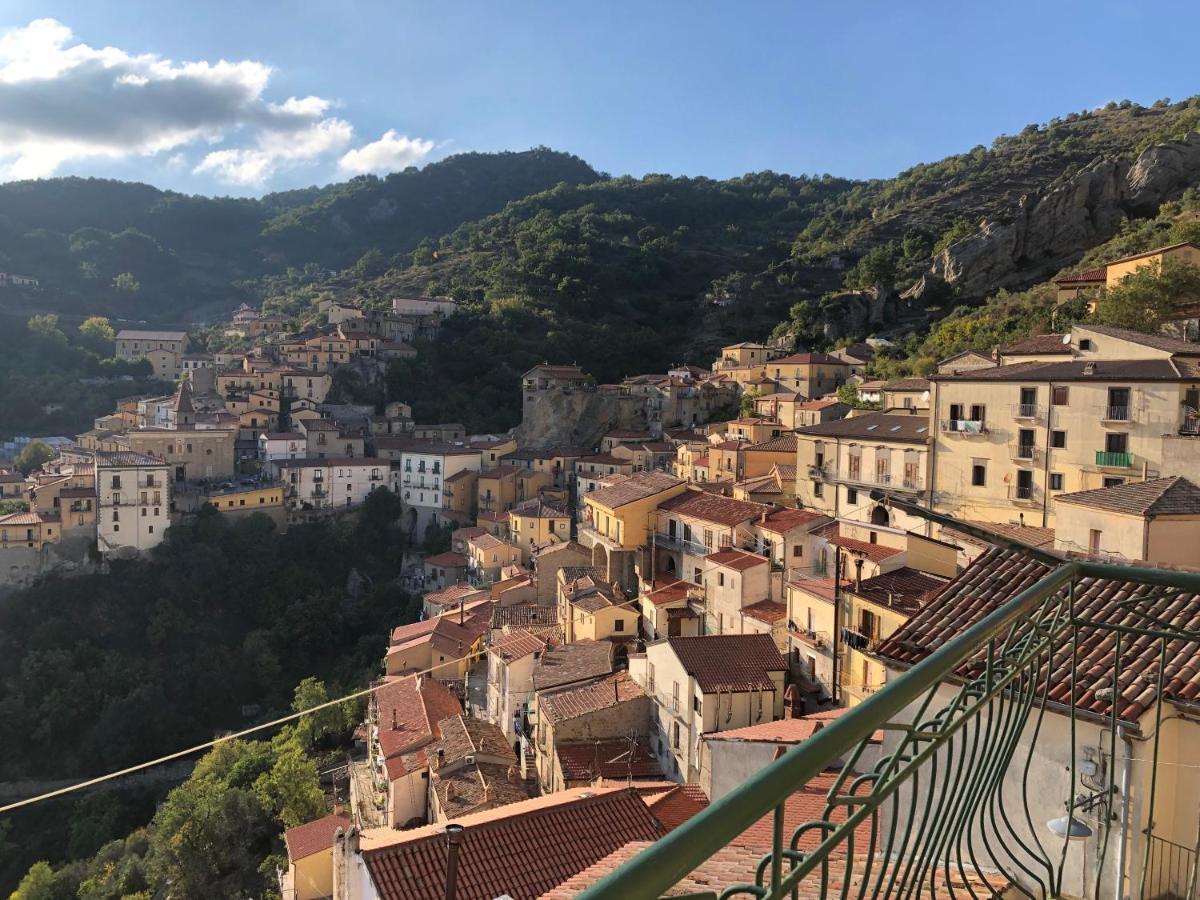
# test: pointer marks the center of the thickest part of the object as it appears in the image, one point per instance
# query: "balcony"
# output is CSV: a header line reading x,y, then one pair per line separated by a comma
x,y
817,639
675,542
1024,494
1190,422
1025,453
1116,414
1026,411
963,800
1107,459
964,426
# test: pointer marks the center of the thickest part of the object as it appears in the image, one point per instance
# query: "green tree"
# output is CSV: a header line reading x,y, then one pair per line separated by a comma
x,y
292,788
34,454
96,334
40,883
125,283
876,268
1147,298
46,327
321,724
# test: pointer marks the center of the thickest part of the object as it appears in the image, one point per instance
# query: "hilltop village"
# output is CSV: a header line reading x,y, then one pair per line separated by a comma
x,y
652,587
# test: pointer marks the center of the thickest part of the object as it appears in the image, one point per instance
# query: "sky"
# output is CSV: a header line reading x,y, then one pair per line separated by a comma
x,y
248,97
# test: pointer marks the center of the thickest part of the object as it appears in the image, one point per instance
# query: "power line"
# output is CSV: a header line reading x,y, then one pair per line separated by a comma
x,y
179,754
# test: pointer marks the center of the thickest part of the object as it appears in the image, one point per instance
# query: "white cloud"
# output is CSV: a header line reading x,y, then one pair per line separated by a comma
x,y
62,101
390,153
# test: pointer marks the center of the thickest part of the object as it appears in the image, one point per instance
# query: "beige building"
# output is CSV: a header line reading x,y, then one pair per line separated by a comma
x,y
618,519
1155,522
811,374
190,453
706,684
535,524
331,483
838,463
1012,438
132,343
133,501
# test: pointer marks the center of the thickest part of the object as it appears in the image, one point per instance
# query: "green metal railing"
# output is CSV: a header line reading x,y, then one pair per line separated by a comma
x,y
946,809
1114,460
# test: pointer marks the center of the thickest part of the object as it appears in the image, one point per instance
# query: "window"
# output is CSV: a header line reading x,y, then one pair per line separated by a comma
x,y
720,579
1086,344
619,625
1061,393
1058,439
798,551
1113,482
851,495
1056,481
1094,537
1116,442
818,489
116,482
675,734
979,474
697,578
695,703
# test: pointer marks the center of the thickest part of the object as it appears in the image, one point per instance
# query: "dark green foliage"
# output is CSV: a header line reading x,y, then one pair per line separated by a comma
x,y
102,671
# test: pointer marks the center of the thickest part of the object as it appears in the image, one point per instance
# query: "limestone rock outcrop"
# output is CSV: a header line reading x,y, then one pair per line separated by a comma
x,y
1048,230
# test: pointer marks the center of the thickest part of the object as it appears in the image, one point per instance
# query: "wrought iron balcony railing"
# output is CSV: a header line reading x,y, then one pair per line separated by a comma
x,y
955,802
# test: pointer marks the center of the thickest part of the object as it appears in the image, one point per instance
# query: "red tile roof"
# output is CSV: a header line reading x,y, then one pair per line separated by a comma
x,y
784,520
1174,496
315,836
729,662
807,359
736,559
591,697
713,508
1040,344
1090,276
517,645
997,576
447,560
678,804
671,592
766,611
906,590
784,731
408,715
614,758
873,552
522,850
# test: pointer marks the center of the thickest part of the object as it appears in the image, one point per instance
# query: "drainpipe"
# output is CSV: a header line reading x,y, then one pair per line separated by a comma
x,y
454,836
1126,768
934,425
1046,466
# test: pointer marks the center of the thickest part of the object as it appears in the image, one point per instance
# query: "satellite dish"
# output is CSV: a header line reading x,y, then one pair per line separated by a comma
x,y
1066,339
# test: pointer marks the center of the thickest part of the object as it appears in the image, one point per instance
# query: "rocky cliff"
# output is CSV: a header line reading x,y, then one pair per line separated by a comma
x,y
1050,229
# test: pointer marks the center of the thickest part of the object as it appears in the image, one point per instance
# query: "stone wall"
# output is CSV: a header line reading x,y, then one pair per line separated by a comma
x,y
21,566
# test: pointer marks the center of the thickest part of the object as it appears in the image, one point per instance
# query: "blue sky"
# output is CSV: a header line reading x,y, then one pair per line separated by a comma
x,y
312,92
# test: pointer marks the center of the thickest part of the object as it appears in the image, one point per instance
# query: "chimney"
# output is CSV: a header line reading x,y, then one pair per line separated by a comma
x,y
394,726
1021,519
858,566
461,610
441,759
454,838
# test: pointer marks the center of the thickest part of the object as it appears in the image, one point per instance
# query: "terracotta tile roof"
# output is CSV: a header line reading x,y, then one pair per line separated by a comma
x,y
736,559
671,592
118,458
591,697
613,758
880,426
905,590
785,443
1029,535
453,594
523,849
539,509
998,576
447,560
732,864
483,785
766,611
783,731
907,384
1040,344
516,645
1080,370
714,508
550,549
408,715
315,836
815,405
636,487
1086,276
729,662
1174,496
463,737
573,662
604,459
784,520
676,805
874,552
524,615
